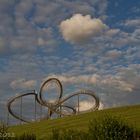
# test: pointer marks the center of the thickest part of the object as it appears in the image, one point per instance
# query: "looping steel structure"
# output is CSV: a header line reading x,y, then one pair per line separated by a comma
x,y
56,107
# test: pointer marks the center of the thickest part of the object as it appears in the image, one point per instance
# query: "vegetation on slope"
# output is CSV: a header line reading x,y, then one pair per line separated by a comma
x,y
108,128
43,129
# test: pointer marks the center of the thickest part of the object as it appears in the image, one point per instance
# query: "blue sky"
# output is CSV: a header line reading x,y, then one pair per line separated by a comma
x,y
86,44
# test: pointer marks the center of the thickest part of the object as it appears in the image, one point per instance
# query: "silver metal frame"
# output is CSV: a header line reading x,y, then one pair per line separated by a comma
x,y
56,107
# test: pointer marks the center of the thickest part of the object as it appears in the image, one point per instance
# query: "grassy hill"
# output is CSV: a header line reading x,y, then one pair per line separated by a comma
x,y
130,114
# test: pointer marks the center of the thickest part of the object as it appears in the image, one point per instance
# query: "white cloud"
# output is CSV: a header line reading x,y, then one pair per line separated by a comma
x,y
106,81
112,32
85,105
131,75
132,22
41,41
117,82
49,43
113,54
80,28
23,84
91,79
2,44
101,106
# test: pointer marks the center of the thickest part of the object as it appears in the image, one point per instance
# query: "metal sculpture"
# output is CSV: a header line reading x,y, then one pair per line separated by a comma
x,y
56,107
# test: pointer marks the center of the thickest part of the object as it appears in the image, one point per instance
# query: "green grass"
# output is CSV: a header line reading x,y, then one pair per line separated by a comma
x,y
130,114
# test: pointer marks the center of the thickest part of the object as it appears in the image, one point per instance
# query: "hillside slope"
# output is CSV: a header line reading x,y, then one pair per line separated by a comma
x,y
131,114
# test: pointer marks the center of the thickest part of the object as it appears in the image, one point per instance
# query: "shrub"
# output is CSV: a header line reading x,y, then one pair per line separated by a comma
x,y
69,134
5,135
111,128
3,128
107,128
3,131
25,137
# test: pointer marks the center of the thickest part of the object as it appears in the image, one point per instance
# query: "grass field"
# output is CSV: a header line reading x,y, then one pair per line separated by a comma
x,y
130,114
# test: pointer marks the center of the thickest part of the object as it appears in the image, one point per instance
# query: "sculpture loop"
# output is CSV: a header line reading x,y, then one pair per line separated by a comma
x,y
56,107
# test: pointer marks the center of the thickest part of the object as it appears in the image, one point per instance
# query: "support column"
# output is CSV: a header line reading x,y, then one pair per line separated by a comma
x,y
21,110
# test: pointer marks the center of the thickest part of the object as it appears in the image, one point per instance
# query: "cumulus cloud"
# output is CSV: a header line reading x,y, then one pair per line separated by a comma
x,y
101,106
85,105
132,22
113,54
131,72
80,28
113,32
106,81
118,83
2,44
23,84
91,79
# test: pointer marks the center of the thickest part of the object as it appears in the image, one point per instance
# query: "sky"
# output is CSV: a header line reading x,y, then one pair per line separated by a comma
x,y
92,44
